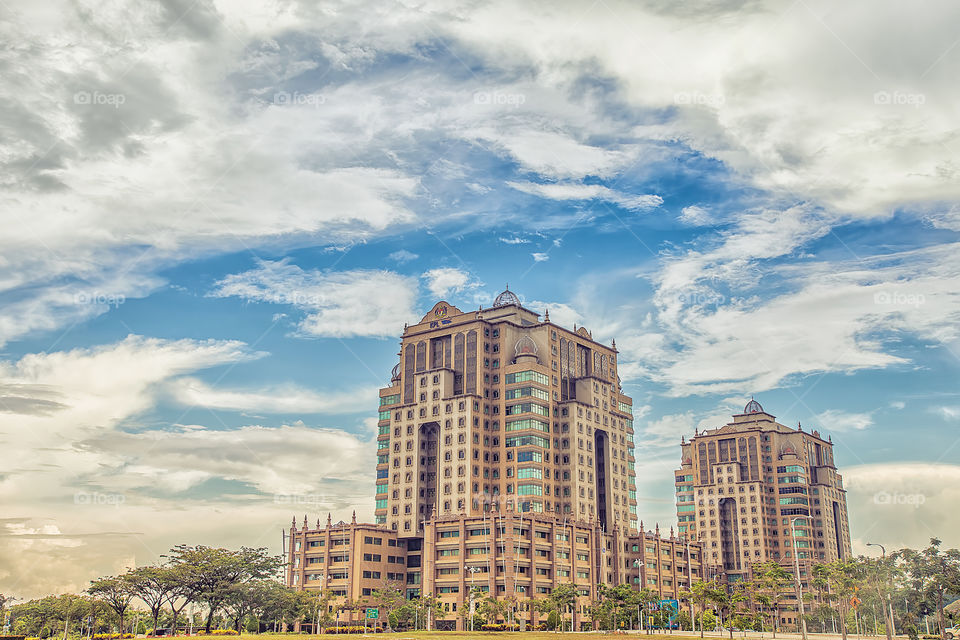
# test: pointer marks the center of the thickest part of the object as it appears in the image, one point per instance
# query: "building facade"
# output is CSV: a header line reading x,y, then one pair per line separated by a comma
x,y
755,490
523,554
496,411
505,462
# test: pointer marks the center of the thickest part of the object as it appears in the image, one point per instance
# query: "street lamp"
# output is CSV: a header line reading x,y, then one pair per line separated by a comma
x,y
316,618
693,626
472,571
636,563
796,566
891,629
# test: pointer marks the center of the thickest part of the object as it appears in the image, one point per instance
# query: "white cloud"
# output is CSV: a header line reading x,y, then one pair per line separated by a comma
x,y
443,281
274,399
695,216
514,240
947,412
574,191
402,256
337,304
554,154
540,256
838,421
95,498
901,504
561,313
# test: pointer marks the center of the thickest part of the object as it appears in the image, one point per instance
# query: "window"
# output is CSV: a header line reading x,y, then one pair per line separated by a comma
x,y
529,490
524,392
520,441
530,472
529,456
527,423
526,376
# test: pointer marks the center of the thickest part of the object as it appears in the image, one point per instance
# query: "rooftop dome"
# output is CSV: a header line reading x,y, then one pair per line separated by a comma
x,y
506,298
525,347
395,374
753,407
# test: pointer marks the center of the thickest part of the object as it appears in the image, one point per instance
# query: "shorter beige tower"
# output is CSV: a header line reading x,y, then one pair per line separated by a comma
x,y
755,490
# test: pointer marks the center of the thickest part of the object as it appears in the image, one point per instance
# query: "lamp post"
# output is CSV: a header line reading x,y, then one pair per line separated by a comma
x,y
316,618
693,626
636,563
891,629
796,566
472,571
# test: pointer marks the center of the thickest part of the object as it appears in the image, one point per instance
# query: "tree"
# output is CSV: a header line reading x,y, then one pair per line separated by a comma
x,y
564,597
935,574
700,594
151,586
772,580
212,573
116,592
727,602
389,598
844,578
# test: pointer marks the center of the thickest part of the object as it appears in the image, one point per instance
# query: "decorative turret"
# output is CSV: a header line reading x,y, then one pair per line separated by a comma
x,y
354,519
329,520
506,298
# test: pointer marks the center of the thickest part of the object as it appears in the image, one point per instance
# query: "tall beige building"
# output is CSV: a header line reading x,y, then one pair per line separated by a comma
x,y
747,488
505,463
498,410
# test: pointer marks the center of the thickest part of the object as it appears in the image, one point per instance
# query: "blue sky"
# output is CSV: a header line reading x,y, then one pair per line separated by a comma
x,y
219,217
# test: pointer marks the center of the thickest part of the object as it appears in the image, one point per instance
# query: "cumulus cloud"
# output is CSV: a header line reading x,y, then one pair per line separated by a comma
x,y
900,504
836,420
336,304
444,281
193,392
539,256
695,216
86,489
573,191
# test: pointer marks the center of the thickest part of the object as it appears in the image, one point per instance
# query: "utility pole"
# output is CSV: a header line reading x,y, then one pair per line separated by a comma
x,y
796,566
888,610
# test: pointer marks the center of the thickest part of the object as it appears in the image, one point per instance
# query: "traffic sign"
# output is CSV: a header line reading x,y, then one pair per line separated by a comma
x,y
373,614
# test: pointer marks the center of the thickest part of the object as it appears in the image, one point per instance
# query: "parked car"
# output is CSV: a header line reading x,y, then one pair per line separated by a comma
x,y
952,632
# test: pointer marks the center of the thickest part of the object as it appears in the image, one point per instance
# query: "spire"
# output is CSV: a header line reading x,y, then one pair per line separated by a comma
x,y
318,523
614,344
546,315
304,521
329,520
293,522
354,520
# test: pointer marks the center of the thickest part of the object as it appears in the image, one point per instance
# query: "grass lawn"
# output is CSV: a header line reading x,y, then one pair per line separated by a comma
x,y
477,635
